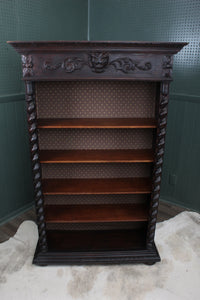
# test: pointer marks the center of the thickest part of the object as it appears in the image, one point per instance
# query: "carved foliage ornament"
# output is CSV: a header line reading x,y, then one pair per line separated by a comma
x,y
27,65
167,66
98,62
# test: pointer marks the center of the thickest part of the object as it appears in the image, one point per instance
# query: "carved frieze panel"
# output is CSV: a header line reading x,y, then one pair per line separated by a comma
x,y
98,62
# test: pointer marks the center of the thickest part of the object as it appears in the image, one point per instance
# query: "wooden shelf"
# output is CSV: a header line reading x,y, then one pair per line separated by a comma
x,y
97,240
96,186
96,213
98,123
96,156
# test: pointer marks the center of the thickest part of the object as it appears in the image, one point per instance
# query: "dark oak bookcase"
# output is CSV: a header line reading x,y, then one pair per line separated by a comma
x,y
97,116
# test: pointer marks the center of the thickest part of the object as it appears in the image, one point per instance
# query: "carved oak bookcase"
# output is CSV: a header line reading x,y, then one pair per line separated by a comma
x,y
97,116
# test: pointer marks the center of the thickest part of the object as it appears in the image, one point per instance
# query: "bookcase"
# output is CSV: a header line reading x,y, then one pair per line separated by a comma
x,y
97,116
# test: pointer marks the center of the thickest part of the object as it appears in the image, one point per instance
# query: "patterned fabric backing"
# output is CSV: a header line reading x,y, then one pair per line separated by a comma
x,y
95,99
69,139
90,170
94,199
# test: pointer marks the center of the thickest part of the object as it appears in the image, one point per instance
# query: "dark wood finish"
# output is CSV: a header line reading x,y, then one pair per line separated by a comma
x,y
159,153
96,186
93,257
97,247
96,156
96,213
33,140
98,240
66,61
97,123
96,60
134,46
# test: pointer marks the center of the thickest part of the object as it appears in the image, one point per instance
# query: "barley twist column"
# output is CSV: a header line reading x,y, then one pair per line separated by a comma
x,y
158,161
33,139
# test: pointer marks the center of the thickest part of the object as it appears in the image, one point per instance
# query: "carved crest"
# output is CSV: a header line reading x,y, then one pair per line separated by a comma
x,y
126,65
27,65
98,61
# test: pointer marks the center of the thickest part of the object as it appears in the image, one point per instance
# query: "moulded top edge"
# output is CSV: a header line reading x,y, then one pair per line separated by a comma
x,y
23,46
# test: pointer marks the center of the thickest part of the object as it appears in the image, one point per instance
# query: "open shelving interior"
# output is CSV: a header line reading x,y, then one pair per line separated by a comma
x,y
82,161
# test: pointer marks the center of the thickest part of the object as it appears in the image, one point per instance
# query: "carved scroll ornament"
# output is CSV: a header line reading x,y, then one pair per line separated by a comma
x,y
126,65
70,64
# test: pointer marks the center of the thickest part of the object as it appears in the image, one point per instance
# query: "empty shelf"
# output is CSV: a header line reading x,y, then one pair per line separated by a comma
x,y
96,213
96,186
95,156
98,123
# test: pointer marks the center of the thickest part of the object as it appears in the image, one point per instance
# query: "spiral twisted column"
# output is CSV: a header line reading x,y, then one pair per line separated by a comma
x,y
158,161
33,139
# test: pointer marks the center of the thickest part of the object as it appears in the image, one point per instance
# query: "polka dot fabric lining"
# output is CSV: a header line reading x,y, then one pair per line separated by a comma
x,y
94,199
70,139
95,99
111,170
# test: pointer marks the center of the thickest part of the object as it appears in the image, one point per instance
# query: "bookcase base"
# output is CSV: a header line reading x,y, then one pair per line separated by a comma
x,y
146,256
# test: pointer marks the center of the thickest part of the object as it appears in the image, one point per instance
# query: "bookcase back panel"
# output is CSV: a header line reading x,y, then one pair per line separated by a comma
x,y
70,139
88,170
94,199
95,99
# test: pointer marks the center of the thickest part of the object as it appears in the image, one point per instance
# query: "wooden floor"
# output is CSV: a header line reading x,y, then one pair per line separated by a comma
x,y
166,211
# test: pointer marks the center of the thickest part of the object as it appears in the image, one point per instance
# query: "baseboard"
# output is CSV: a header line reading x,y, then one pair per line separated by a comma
x,y
178,203
15,213
185,98
12,97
